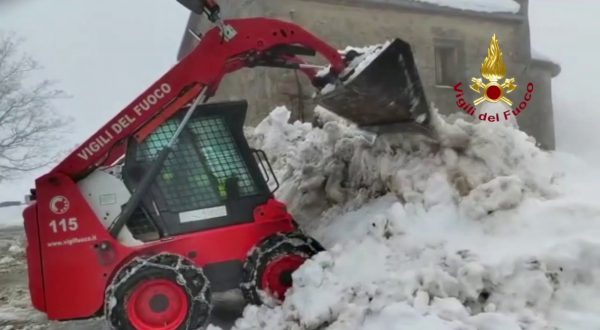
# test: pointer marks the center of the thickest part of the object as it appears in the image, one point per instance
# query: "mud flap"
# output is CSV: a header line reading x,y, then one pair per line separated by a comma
x,y
381,91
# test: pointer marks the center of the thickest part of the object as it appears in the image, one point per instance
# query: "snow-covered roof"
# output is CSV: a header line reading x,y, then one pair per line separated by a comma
x,y
545,61
488,6
537,55
483,6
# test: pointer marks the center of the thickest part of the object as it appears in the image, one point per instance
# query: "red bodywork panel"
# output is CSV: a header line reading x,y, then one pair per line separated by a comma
x,y
71,255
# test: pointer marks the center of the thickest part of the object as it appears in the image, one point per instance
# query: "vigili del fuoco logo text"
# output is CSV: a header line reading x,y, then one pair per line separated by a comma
x,y
493,88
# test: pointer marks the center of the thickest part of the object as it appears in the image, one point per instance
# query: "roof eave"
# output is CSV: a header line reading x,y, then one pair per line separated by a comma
x,y
554,68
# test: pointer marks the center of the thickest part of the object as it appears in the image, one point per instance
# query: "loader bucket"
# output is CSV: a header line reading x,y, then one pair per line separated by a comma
x,y
387,95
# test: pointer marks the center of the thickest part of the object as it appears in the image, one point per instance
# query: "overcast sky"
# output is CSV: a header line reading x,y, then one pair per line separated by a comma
x,y
104,53
568,31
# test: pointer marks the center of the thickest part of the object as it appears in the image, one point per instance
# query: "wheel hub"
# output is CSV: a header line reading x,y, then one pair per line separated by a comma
x,y
157,304
286,278
277,277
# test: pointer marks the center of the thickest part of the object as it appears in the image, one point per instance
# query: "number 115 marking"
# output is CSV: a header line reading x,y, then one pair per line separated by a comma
x,y
64,225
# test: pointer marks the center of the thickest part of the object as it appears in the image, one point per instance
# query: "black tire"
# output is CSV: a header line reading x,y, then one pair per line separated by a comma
x,y
273,249
185,284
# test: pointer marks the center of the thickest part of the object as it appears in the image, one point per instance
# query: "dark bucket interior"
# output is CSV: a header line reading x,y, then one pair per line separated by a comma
x,y
388,92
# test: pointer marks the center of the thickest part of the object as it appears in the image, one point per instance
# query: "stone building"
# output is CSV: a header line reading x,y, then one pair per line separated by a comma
x,y
449,45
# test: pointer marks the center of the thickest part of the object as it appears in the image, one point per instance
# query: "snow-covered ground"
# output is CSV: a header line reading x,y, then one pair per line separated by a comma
x,y
482,231
11,216
478,230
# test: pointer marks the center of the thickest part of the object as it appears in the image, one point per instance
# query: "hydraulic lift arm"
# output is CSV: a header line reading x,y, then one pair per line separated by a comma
x,y
257,42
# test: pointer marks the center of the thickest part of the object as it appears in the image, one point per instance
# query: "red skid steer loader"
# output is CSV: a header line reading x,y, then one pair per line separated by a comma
x,y
167,202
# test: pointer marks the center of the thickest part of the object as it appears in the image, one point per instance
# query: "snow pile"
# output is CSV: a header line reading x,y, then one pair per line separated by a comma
x,y
341,167
15,307
477,232
500,6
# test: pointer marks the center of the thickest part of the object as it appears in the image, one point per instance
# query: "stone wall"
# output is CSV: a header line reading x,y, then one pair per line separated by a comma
x,y
539,118
343,23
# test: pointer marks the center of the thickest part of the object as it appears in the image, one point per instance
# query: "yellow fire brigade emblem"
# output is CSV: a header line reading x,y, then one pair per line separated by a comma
x,y
493,69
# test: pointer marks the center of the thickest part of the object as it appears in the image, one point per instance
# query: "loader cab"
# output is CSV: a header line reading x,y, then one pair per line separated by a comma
x,y
211,179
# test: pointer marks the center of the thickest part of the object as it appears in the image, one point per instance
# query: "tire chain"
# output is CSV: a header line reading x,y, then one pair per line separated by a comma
x,y
301,244
190,277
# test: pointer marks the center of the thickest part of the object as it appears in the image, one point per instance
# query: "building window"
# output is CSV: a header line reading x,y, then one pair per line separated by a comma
x,y
446,65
